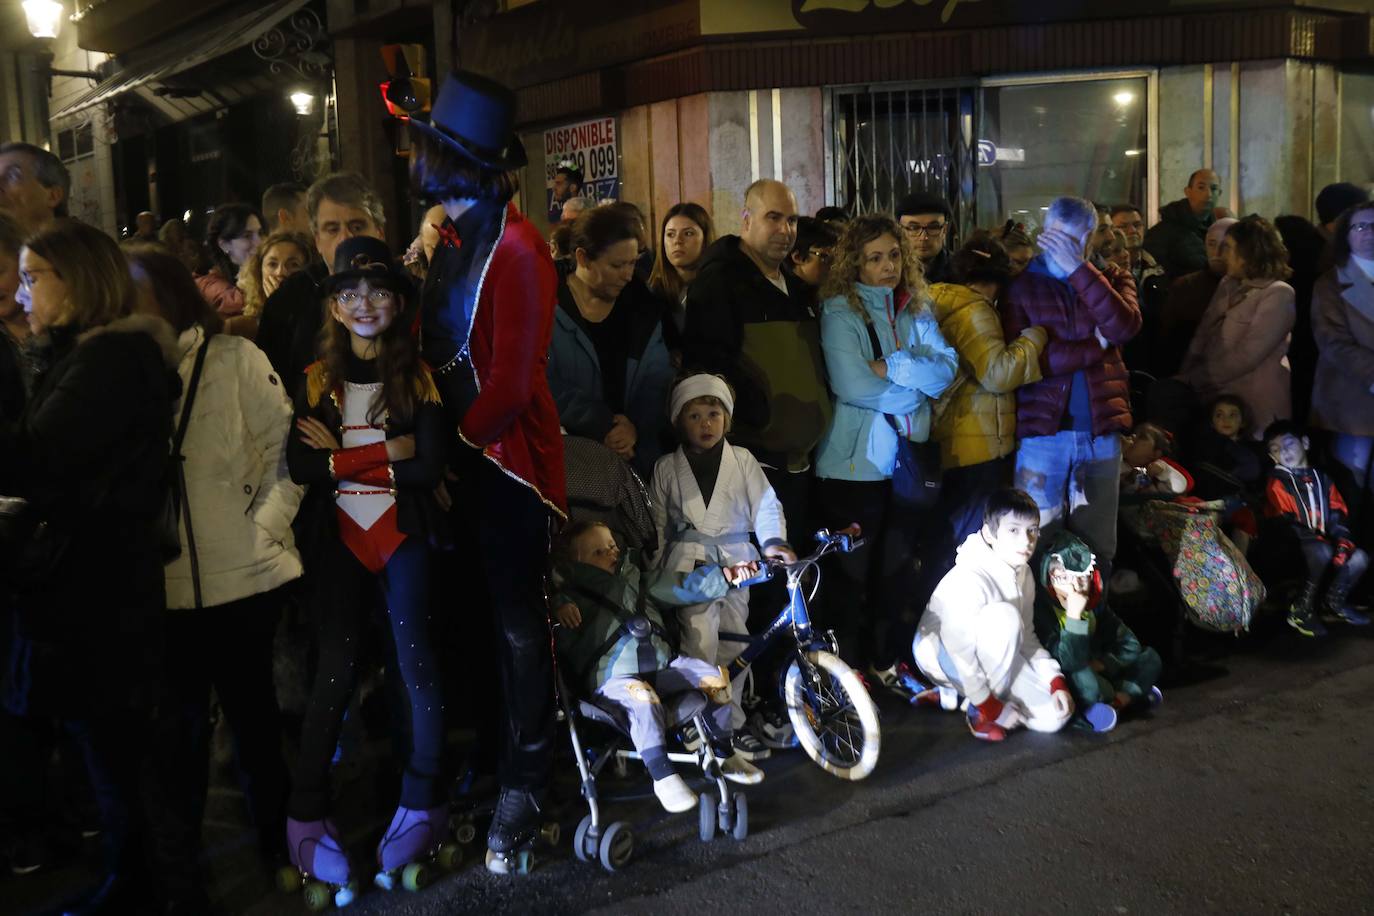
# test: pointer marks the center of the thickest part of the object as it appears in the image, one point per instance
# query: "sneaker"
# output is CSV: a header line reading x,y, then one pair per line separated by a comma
x,y
737,769
1305,622
749,747
691,738
983,729
899,679
773,729
674,794
1097,717
1334,608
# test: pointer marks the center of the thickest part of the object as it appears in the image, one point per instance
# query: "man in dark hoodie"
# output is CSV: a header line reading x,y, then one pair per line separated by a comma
x,y
1176,241
748,320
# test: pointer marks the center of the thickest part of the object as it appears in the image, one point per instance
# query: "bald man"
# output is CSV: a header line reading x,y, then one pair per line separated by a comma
x,y
1176,241
750,321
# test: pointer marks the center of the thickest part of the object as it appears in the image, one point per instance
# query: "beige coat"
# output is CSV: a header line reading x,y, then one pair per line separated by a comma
x,y
1343,325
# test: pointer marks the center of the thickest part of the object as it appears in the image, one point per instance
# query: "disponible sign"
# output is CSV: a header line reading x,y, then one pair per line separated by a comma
x,y
590,147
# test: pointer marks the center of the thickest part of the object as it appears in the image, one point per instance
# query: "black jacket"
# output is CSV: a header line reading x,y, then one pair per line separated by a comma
x,y
90,454
1178,240
290,324
780,399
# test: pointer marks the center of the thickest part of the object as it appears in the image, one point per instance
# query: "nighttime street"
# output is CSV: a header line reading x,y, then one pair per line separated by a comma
x,y
1248,794
934,441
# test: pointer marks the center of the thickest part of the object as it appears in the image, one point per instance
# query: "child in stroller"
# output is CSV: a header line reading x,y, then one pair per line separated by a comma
x,y
613,640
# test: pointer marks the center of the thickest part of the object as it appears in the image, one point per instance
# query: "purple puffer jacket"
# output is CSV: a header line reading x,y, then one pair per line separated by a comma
x,y
1070,310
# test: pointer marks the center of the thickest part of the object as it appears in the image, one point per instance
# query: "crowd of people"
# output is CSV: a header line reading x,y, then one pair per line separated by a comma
x,y
207,440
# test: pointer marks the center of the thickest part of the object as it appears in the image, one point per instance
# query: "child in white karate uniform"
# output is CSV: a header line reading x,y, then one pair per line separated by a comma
x,y
708,497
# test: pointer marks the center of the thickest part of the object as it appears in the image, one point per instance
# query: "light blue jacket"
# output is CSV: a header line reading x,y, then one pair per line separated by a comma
x,y
861,444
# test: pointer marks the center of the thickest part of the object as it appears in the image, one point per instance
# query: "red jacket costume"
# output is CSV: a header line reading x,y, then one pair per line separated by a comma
x,y
1070,310
514,420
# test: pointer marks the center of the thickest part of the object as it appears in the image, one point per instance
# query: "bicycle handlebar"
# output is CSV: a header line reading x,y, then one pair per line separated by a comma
x,y
844,541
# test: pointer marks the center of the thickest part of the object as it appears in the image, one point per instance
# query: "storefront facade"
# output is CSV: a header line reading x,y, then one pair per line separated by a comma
x,y
997,104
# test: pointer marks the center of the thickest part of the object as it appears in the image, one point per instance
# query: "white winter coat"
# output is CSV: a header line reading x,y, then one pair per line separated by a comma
x,y
979,578
241,498
743,501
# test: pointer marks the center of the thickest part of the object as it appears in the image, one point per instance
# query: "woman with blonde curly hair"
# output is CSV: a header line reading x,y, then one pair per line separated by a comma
x,y
887,362
280,255
1241,343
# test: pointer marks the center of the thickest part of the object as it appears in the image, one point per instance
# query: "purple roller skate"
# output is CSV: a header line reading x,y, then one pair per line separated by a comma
x,y
412,844
319,864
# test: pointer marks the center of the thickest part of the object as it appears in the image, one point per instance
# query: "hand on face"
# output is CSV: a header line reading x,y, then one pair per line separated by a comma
x,y
1063,250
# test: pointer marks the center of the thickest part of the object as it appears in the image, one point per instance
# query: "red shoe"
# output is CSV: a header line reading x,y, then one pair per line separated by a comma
x,y
982,720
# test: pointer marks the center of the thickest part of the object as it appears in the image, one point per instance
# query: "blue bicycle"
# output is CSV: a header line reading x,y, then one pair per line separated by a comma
x,y
832,714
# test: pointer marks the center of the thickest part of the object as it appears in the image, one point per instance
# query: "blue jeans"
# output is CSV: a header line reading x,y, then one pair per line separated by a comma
x,y
1073,478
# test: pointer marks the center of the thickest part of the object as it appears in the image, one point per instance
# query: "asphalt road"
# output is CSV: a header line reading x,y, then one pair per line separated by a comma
x,y
1251,793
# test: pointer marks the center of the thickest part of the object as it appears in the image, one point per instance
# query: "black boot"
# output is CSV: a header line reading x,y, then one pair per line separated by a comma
x,y
1336,606
1300,616
518,817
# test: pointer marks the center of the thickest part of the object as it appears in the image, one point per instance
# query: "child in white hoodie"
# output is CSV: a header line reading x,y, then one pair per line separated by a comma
x,y
976,638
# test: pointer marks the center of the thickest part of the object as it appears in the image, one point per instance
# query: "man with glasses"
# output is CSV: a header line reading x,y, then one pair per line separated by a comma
x,y
925,219
809,261
34,185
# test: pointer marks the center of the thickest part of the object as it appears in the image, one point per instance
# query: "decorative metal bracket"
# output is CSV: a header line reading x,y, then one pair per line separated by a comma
x,y
296,42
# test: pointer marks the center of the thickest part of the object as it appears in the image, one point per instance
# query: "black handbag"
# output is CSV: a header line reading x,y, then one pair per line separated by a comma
x,y
916,472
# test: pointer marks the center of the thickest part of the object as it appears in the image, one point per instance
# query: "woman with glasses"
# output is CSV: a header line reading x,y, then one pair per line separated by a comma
x,y
1343,325
370,441
90,456
1241,343
233,235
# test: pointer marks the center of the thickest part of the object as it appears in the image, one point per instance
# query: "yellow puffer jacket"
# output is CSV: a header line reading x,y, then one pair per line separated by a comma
x,y
975,420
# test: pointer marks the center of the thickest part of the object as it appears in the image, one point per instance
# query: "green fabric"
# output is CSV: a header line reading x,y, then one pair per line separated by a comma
x,y
584,648
784,359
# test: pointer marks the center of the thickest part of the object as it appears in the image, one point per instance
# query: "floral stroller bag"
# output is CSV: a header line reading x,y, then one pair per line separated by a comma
x,y
1216,584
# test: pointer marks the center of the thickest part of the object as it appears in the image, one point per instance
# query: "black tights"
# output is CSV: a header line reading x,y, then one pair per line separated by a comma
x,y
346,591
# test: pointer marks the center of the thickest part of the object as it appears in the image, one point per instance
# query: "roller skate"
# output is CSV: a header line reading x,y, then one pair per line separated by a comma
x,y
319,865
474,802
412,846
515,827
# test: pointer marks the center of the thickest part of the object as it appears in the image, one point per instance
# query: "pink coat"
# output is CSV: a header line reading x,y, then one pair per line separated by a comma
x,y
1241,348
1343,325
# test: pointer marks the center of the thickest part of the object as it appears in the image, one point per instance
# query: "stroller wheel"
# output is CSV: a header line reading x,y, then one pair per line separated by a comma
x,y
584,844
741,827
706,816
617,845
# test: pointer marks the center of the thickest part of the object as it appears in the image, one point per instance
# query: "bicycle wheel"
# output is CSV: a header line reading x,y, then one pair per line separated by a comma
x,y
832,714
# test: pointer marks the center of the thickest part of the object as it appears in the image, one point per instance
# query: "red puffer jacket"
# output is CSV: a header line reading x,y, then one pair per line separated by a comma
x,y
1070,310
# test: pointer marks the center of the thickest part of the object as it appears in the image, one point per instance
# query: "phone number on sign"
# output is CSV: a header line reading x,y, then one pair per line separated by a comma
x,y
595,164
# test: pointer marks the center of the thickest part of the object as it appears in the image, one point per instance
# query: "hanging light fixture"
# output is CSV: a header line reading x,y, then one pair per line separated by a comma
x,y
303,102
44,17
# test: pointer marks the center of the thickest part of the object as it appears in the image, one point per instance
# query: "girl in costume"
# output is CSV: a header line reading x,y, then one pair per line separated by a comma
x,y
370,439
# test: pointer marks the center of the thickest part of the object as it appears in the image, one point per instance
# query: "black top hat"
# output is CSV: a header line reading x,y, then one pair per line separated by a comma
x,y
476,117
365,258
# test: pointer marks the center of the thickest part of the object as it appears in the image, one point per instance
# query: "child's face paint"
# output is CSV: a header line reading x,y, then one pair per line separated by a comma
x,y
1014,540
597,547
1226,420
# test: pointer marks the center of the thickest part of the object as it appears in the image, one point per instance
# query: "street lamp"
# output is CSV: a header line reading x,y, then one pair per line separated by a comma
x,y
1124,98
44,17
303,102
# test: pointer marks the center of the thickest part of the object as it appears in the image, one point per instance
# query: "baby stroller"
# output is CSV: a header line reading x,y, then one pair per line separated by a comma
x,y
603,488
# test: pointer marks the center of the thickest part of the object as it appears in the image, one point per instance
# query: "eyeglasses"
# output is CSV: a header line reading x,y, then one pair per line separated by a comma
x,y
823,255
354,301
1362,227
923,229
26,277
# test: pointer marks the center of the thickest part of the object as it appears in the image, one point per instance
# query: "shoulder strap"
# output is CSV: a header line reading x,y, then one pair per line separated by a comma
x,y
878,354
189,397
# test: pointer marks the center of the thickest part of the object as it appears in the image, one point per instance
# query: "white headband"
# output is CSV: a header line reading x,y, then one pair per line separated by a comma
x,y
700,386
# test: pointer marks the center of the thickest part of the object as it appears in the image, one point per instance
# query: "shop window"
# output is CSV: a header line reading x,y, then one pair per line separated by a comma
x,y
1038,141
890,141
76,142
1357,128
